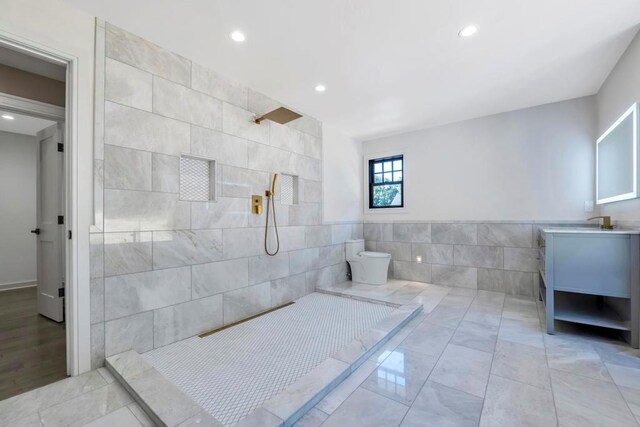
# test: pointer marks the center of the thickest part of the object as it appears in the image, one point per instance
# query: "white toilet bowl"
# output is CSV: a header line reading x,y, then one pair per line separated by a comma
x,y
367,267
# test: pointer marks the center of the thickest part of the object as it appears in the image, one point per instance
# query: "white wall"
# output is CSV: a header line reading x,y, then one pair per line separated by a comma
x,y
530,164
56,25
18,251
619,91
342,176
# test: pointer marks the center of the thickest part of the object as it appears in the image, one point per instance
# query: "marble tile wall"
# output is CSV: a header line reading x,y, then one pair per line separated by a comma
x,y
164,269
489,256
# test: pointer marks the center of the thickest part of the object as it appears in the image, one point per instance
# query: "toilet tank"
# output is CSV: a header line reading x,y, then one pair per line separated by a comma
x,y
353,248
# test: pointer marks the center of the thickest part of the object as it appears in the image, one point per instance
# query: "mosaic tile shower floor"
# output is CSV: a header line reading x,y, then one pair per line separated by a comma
x,y
233,372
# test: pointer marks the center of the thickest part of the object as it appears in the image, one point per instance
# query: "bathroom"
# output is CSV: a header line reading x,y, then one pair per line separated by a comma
x,y
298,241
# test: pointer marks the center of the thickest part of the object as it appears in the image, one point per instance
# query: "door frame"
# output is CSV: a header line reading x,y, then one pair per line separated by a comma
x,y
77,320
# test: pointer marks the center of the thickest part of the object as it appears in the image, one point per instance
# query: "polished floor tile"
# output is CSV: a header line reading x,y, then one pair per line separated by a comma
x,y
576,357
428,338
476,335
438,405
521,332
401,376
582,401
464,369
522,363
365,408
511,403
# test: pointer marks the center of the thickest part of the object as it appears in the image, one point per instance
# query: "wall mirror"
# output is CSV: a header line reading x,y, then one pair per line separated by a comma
x,y
617,160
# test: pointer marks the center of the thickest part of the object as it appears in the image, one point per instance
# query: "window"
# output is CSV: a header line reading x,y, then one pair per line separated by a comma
x,y
386,189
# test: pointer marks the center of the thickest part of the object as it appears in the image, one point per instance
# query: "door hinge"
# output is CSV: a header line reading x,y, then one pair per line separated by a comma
x,y
60,220
60,292
61,147
69,234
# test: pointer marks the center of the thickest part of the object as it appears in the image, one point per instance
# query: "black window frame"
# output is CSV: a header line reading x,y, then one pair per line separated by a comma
x,y
372,184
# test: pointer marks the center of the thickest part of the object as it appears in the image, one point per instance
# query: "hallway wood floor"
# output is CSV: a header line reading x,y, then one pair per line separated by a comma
x,y
32,347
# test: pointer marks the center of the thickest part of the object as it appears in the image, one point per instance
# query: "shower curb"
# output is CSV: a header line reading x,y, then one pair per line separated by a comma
x,y
167,405
162,401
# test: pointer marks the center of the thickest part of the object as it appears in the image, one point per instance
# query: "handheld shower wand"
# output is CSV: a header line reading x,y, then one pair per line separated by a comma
x,y
271,198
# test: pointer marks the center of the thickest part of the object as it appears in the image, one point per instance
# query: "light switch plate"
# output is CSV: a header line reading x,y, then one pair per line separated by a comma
x,y
588,206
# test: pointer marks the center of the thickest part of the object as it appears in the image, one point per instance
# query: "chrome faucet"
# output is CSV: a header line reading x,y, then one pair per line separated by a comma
x,y
606,222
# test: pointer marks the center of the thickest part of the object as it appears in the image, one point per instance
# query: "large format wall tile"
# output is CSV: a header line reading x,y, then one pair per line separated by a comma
x,y
521,259
185,320
96,255
127,169
513,235
312,146
226,149
399,251
459,234
217,277
312,192
305,167
97,300
179,102
129,333
286,138
448,275
241,182
264,267
208,81
127,85
432,253
140,53
126,253
186,247
245,242
330,255
240,122
246,302
303,260
222,213
510,282
288,289
478,256
317,235
378,232
142,211
135,293
417,233
132,128
270,159
340,233
305,214
412,271
165,173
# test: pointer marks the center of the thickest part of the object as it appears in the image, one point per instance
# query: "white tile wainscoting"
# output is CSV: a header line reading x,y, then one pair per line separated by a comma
x,y
492,256
164,269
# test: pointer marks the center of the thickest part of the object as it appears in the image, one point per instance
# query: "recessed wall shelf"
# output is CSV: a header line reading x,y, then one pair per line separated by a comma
x,y
197,178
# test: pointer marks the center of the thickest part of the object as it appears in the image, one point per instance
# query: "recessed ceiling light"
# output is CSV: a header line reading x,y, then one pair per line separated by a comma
x,y
320,88
468,31
237,36
8,117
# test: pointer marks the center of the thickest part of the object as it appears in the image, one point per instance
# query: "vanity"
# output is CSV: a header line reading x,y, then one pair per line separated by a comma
x,y
591,276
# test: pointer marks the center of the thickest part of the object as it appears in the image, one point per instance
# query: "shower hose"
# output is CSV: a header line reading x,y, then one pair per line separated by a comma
x,y
271,199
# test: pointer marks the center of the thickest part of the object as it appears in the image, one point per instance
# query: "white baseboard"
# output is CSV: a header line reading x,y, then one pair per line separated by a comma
x,y
17,285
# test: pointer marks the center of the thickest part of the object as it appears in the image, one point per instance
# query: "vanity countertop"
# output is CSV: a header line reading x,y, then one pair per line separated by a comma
x,y
588,230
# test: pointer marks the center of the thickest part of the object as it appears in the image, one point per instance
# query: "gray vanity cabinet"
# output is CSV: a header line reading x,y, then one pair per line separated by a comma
x,y
592,277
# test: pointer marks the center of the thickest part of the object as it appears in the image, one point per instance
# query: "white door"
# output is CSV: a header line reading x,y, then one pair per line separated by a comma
x,y
50,231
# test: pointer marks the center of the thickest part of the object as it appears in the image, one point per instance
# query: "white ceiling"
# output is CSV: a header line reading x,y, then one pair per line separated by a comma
x,y
25,125
393,65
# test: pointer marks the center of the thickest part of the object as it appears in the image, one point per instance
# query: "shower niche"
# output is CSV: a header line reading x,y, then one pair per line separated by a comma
x,y
289,189
197,179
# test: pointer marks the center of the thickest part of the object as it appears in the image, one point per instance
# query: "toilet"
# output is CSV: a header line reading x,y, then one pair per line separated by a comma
x,y
367,267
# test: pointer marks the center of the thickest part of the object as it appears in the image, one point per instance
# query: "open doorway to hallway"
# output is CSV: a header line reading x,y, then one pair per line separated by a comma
x,y
33,338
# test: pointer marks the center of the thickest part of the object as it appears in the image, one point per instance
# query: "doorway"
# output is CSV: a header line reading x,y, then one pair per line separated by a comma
x,y
33,247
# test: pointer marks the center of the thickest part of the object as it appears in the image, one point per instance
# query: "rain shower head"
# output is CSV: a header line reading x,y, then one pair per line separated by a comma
x,y
279,115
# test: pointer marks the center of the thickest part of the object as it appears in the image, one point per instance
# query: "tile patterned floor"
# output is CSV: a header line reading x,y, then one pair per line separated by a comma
x,y
233,372
573,378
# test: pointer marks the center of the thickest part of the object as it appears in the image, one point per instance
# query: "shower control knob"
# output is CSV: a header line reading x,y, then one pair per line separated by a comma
x,y
36,231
